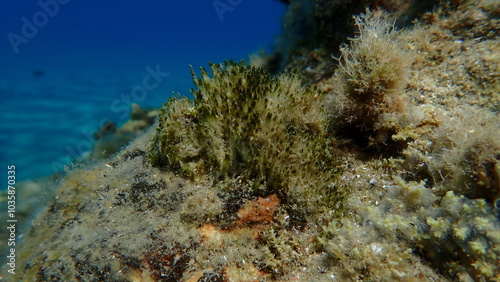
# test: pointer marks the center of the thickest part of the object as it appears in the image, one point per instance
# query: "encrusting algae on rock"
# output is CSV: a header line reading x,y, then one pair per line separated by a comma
x,y
379,164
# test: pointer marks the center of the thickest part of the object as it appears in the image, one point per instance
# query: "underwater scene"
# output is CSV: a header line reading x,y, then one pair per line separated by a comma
x,y
67,68
266,140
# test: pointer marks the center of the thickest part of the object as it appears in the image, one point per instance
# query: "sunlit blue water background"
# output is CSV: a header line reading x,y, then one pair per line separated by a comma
x,y
80,62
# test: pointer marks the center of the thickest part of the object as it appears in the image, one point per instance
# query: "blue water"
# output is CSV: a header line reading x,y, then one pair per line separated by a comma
x,y
68,66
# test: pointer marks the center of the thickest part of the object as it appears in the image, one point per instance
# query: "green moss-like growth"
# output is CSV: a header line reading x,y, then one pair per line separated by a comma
x,y
243,123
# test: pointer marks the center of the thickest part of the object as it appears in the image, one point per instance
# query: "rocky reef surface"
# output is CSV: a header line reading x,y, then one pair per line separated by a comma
x,y
366,147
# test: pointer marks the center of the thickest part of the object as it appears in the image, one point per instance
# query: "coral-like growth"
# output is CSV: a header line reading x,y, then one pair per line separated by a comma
x,y
462,153
452,232
268,132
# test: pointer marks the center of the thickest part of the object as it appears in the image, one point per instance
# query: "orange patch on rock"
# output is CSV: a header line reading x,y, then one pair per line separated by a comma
x,y
260,210
211,235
